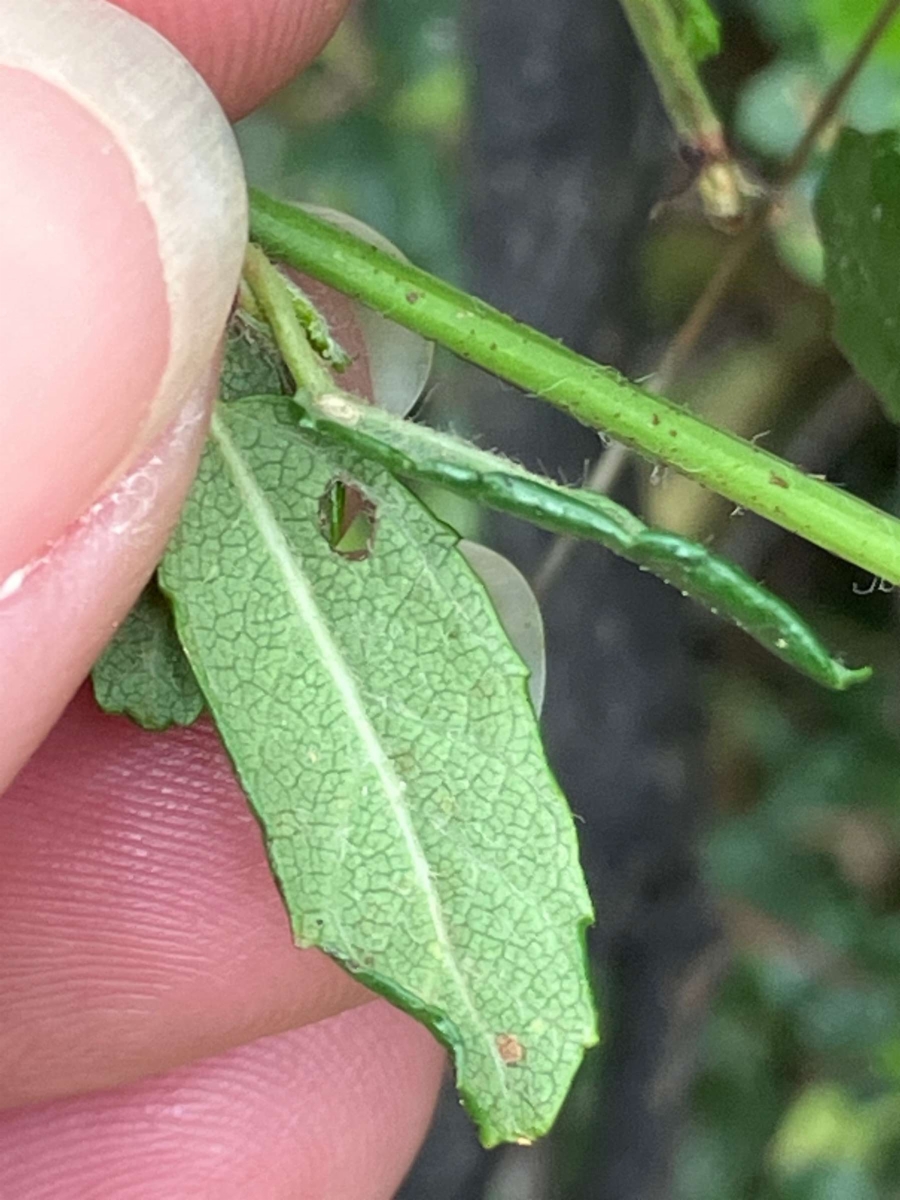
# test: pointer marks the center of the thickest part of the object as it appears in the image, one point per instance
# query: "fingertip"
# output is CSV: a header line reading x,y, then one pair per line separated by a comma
x,y
84,311
335,1111
59,610
123,218
141,925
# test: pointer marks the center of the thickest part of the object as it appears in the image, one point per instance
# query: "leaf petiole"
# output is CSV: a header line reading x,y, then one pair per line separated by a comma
x,y
416,452
275,298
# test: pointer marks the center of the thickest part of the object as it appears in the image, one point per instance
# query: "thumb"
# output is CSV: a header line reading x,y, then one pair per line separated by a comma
x,y
122,226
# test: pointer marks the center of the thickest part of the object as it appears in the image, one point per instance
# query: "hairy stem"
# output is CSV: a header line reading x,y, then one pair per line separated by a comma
x,y
595,395
272,294
417,452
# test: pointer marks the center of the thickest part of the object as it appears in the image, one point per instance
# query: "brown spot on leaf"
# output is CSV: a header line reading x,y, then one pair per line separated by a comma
x,y
778,480
510,1049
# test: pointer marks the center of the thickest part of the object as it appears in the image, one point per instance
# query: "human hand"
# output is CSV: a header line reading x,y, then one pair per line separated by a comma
x,y
160,1036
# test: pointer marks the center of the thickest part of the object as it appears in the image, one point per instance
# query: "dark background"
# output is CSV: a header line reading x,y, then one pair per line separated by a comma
x,y
740,827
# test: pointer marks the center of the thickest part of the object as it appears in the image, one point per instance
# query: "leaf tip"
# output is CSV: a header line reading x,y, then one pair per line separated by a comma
x,y
847,677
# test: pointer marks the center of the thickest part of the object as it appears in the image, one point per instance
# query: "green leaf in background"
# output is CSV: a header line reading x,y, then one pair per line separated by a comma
x,y
858,213
699,28
782,22
143,673
814,39
840,25
380,724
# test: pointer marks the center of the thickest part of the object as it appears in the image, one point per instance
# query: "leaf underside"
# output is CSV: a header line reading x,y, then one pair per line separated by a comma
x,y
380,724
143,672
858,213
253,365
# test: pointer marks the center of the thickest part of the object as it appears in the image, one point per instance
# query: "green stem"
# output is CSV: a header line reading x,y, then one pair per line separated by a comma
x,y
716,289
724,190
418,452
273,295
685,99
596,395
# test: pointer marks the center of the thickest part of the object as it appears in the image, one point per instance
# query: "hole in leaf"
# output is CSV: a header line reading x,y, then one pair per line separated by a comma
x,y
347,519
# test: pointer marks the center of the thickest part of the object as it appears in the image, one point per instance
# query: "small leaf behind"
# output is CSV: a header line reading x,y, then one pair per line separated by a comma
x,y
858,213
517,607
380,723
699,28
143,672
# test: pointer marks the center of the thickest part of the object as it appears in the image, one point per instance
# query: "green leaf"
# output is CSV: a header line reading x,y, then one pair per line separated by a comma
x,y
380,724
699,28
253,365
858,213
841,25
143,672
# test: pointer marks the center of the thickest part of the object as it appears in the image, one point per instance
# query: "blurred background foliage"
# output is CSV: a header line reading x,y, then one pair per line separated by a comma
x,y
798,1092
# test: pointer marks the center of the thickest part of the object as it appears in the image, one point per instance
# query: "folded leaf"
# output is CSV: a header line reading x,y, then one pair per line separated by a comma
x,y
143,672
380,724
253,365
416,452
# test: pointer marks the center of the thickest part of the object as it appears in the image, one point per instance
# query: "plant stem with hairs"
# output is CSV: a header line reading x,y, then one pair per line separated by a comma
x,y
597,396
